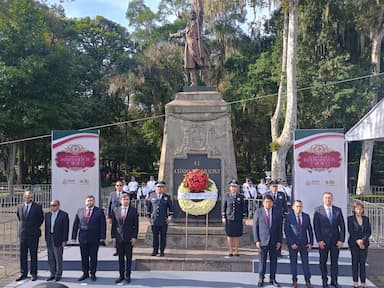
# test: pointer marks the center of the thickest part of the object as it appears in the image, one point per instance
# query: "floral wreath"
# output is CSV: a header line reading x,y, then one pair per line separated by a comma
x,y
196,185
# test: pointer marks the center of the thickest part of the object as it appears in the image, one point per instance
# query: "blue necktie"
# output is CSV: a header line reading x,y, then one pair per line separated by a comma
x,y
329,213
26,210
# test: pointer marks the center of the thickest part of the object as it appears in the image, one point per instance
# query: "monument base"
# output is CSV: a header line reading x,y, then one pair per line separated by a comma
x,y
198,237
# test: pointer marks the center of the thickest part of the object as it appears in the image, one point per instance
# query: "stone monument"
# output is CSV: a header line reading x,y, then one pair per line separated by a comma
x,y
197,135
197,142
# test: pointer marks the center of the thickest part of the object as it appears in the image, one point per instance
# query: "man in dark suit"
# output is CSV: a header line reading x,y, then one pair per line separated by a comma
x,y
30,216
298,230
329,226
56,236
125,227
90,223
267,233
114,201
159,213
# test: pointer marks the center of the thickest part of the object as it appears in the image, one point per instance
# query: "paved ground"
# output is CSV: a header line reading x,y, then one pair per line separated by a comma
x,y
176,279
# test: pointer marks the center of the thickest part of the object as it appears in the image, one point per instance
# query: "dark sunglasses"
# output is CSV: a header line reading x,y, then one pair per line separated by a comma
x,y
53,205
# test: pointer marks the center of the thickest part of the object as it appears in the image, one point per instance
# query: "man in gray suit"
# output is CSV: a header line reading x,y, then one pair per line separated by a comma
x,y
267,233
56,236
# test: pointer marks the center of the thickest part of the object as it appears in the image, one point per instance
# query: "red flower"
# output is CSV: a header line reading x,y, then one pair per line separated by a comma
x,y
196,180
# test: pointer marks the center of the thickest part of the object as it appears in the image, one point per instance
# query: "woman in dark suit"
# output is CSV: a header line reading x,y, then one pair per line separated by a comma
x,y
234,212
359,230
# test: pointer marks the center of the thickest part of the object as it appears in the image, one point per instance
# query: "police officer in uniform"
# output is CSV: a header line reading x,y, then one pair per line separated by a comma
x,y
234,213
279,198
280,203
159,213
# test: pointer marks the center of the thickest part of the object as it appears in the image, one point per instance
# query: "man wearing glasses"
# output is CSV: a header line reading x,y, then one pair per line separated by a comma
x,y
56,236
113,202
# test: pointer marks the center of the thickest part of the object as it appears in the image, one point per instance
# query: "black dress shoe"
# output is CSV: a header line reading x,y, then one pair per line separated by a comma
x,y
57,279
50,278
154,253
120,279
115,254
93,277
34,277
83,277
21,277
274,283
260,283
335,284
162,254
325,284
128,280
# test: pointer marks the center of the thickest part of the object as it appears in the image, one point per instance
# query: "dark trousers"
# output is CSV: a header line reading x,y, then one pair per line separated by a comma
x,y
162,240
31,245
304,262
88,253
359,258
333,251
124,250
263,254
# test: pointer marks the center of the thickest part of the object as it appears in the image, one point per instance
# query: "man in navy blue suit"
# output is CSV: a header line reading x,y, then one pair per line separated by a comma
x,y
298,230
125,227
329,226
56,236
90,223
267,234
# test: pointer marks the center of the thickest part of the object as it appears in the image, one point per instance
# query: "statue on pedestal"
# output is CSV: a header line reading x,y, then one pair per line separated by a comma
x,y
196,54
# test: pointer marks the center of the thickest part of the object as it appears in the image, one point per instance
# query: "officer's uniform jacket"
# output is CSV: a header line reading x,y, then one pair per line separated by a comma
x,y
234,207
159,209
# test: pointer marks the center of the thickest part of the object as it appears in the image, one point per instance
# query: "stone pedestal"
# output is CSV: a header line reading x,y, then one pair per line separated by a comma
x,y
197,134
194,237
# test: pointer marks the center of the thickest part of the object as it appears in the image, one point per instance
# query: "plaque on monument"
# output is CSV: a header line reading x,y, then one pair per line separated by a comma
x,y
212,167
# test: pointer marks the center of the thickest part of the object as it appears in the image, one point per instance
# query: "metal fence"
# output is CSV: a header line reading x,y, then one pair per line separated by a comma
x,y
375,213
42,195
9,238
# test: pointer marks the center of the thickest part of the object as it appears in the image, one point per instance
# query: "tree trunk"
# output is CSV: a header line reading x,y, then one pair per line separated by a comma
x,y
276,115
11,167
364,176
284,141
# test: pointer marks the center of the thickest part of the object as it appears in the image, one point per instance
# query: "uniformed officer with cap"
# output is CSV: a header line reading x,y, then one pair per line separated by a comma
x,y
279,203
159,213
234,213
279,198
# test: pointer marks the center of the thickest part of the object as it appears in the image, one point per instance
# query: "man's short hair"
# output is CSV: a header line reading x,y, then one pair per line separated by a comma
x,y
268,197
90,197
125,195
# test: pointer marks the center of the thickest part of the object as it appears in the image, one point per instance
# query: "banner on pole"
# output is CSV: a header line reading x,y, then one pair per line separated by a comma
x,y
75,168
319,166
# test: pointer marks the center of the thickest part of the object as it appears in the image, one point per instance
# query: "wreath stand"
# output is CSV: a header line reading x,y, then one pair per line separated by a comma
x,y
206,230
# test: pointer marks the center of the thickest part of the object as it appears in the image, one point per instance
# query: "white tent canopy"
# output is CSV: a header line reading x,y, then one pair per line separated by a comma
x,y
370,127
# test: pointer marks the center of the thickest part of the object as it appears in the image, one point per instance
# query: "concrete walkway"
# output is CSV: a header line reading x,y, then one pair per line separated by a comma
x,y
174,279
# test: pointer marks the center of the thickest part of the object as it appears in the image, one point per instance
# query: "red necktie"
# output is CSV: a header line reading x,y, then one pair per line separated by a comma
x,y
268,218
298,221
124,214
88,216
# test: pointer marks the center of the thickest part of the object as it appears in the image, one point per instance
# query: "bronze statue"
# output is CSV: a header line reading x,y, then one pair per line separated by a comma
x,y
196,54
